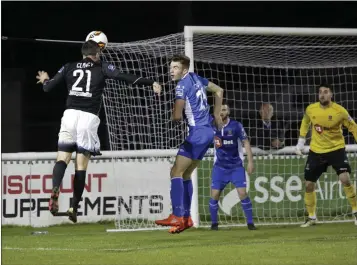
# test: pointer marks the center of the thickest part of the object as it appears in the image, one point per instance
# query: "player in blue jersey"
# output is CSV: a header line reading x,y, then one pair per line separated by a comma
x,y
191,96
228,166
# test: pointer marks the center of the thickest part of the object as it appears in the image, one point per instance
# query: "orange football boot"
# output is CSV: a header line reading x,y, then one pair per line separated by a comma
x,y
188,222
172,220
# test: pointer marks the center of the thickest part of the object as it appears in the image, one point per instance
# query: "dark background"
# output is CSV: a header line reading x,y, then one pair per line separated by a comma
x,y
31,118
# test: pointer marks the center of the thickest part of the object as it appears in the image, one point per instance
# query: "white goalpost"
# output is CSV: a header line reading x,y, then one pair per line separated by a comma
x,y
281,66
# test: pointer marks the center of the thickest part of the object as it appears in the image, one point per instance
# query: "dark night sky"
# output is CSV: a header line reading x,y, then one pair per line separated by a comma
x,y
122,21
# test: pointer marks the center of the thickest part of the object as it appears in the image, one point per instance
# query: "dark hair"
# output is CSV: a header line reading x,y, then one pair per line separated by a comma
x,y
90,48
326,85
183,59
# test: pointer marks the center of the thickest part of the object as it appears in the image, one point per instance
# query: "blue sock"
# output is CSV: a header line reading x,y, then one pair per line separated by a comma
x,y
213,208
187,197
248,210
176,194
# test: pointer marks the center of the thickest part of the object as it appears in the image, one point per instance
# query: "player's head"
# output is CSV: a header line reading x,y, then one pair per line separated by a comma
x,y
325,94
91,49
179,66
266,111
224,112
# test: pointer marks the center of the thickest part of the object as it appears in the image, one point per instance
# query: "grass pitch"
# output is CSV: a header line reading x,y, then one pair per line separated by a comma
x,y
331,244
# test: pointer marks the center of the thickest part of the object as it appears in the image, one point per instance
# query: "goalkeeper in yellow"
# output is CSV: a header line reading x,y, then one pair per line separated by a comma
x,y
327,148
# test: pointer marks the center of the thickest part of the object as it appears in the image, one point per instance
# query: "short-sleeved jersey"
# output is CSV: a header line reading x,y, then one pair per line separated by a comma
x,y
192,89
327,127
85,81
228,145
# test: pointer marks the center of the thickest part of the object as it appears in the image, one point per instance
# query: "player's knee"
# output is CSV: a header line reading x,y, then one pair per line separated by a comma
x,y
345,178
64,156
215,194
309,186
242,193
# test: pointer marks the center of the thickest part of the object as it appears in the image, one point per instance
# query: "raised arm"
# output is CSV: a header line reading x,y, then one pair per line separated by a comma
x,y
350,124
218,98
49,84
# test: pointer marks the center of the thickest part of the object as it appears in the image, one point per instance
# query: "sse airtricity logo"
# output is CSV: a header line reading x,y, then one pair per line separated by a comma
x,y
231,199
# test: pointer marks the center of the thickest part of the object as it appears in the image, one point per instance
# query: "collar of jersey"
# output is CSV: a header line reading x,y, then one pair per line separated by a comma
x,y
185,75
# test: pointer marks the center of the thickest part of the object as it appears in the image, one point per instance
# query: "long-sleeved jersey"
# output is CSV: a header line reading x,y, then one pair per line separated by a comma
x,y
85,81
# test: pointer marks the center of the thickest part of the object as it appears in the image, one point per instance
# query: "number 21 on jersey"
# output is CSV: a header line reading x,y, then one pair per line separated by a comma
x,y
80,73
202,98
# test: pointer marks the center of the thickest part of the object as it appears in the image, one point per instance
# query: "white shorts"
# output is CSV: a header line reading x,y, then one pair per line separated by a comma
x,y
79,132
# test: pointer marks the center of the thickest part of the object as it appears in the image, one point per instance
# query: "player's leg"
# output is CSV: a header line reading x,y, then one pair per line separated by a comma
x,y
187,193
339,162
315,166
240,182
218,183
87,144
66,145
177,191
79,182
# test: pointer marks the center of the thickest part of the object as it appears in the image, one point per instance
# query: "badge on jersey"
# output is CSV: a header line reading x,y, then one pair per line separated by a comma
x,y
179,91
111,67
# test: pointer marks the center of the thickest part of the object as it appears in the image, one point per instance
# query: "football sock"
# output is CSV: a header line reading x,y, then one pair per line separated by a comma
x,y
176,194
187,197
310,203
248,209
213,208
79,182
351,197
58,172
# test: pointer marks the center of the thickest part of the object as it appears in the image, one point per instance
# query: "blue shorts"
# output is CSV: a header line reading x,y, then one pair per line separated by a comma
x,y
197,142
221,177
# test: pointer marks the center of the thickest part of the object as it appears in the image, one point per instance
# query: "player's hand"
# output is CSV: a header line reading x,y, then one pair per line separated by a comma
x,y
218,122
250,168
157,88
42,76
300,146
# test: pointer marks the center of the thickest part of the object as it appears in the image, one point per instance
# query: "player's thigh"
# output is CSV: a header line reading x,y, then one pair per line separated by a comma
x,y
219,178
239,180
197,142
188,172
67,136
182,163
82,160
64,156
87,134
316,164
339,161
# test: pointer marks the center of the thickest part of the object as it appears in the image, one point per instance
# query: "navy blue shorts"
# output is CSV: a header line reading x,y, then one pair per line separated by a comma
x,y
221,177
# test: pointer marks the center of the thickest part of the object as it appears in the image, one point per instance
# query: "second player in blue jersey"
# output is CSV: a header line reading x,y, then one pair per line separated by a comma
x,y
190,95
229,167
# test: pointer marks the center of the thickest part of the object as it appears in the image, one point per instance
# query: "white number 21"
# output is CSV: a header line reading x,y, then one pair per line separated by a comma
x,y
80,72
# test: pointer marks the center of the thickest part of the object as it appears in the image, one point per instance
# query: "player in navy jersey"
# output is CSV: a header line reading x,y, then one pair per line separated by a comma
x,y
228,166
85,81
191,96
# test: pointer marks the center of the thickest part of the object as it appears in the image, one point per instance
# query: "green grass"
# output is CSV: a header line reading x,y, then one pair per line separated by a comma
x,y
90,244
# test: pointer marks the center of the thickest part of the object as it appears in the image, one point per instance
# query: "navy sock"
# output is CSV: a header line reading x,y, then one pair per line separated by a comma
x,y
213,208
187,197
176,194
58,173
248,210
79,183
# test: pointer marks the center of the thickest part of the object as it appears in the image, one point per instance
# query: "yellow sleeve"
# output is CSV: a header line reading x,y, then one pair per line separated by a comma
x,y
305,125
349,123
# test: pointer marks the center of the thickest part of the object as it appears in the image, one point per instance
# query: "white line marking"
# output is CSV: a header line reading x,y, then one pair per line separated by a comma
x,y
72,249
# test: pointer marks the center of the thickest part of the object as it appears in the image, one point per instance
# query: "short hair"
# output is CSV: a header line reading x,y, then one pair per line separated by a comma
x,y
183,59
326,85
90,48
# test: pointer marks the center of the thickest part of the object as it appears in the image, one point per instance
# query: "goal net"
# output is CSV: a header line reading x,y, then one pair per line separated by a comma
x,y
280,67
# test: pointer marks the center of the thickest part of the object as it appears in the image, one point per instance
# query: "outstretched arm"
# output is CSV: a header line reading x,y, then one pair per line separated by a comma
x,y
111,71
49,84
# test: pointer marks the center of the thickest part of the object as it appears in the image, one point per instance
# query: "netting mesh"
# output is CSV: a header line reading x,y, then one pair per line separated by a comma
x,y
283,71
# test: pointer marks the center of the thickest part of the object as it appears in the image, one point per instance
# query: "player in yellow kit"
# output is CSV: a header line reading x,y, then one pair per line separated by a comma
x,y
327,148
